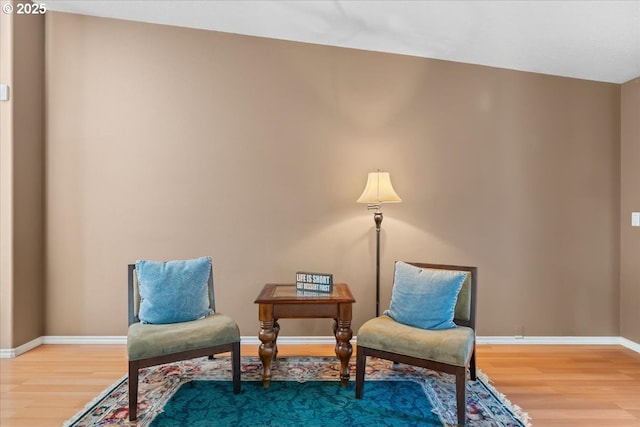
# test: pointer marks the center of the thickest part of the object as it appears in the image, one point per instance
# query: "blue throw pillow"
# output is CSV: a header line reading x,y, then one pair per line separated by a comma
x,y
424,297
174,291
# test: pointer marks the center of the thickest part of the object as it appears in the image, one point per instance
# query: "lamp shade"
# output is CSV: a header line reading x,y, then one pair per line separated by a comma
x,y
379,190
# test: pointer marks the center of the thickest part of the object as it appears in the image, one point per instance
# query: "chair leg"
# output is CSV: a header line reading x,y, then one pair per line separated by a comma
x,y
133,390
361,364
472,367
235,366
461,399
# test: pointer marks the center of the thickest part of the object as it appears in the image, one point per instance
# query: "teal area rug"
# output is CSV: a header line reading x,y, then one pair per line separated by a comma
x,y
305,391
293,404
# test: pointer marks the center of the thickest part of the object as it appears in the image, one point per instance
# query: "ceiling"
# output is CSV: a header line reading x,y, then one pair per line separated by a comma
x,y
593,40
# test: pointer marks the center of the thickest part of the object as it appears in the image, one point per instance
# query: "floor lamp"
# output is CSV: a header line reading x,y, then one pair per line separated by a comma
x,y
378,191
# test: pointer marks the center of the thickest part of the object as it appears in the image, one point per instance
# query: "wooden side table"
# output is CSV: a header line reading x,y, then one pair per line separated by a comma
x,y
277,301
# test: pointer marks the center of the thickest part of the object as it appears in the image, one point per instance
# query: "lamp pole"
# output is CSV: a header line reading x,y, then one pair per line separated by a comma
x,y
377,217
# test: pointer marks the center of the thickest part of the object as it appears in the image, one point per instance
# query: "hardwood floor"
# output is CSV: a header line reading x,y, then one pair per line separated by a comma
x,y
568,385
557,385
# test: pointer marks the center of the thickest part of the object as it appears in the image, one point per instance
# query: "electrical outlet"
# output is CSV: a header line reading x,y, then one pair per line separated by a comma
x,y
635,219
518,331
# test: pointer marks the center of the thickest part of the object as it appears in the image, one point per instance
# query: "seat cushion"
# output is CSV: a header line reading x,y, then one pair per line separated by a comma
x,y
450,346
147,340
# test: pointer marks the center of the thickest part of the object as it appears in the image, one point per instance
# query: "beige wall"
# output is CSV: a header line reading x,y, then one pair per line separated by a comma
x,y
168,143
28,221
630,202
21,133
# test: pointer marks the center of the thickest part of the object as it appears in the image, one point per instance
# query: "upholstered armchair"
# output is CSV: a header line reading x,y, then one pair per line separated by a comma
x,y
430,323
172,317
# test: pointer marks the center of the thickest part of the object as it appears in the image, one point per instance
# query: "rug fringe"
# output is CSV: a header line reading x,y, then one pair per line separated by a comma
x,y
515,409
94,402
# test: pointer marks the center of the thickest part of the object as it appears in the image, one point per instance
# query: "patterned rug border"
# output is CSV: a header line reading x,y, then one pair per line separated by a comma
x,y
516,410
411,373
93,402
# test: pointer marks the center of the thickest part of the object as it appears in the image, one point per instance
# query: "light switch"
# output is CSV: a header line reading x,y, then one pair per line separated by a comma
x,y
4,92
635,219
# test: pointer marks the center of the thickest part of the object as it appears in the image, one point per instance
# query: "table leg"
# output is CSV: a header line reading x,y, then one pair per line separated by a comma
x,y
276,329
267,349
344,349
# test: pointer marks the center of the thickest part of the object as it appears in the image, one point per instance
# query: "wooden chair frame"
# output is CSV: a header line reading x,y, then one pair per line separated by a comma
x,y
458,371
135,365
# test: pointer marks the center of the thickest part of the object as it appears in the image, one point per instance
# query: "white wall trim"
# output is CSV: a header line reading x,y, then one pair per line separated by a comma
x,y
8,353
70,339
302,340
630,344
549,340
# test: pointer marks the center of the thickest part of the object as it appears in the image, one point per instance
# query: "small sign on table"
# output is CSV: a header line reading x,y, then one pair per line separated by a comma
x,y
315,282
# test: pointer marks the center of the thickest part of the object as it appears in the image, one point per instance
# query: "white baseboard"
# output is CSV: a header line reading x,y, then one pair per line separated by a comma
x,y
630,344
560,341
549,340
8,353
123,340
302,340
73,339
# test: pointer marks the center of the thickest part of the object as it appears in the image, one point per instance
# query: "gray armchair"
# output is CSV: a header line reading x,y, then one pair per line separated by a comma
x,y
450,349
150,344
